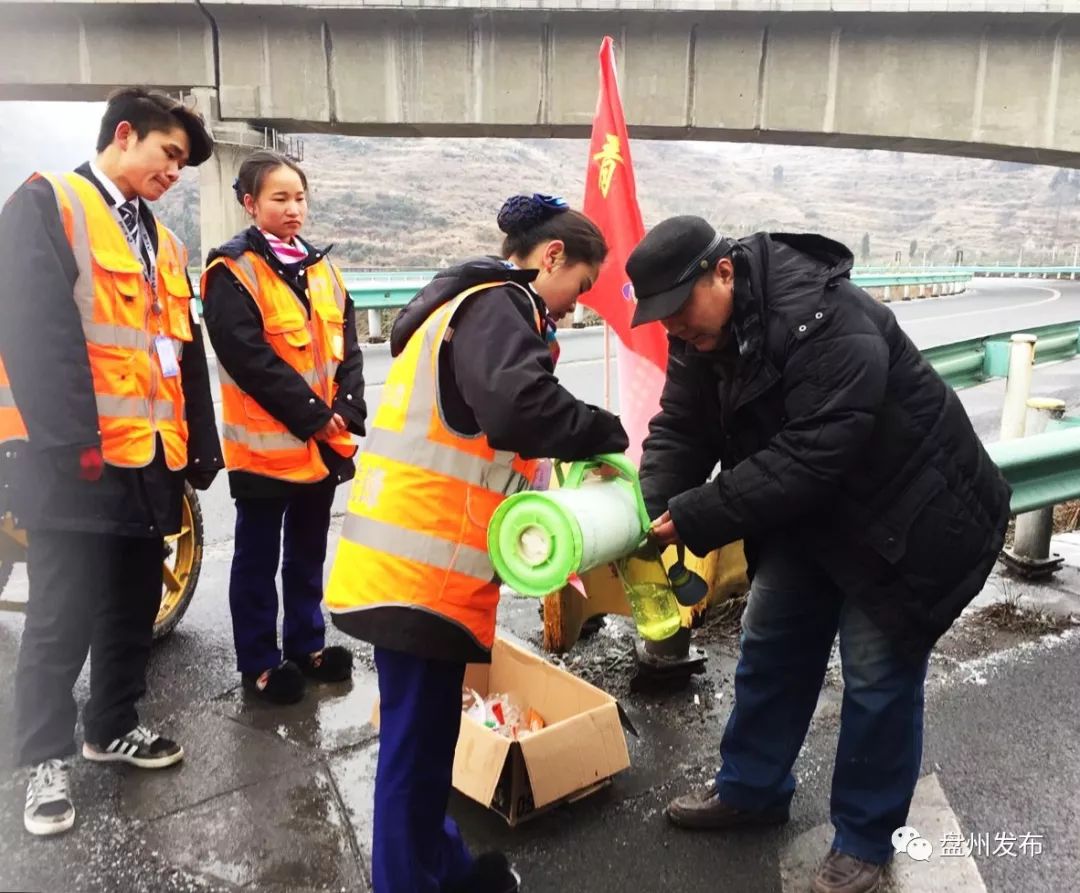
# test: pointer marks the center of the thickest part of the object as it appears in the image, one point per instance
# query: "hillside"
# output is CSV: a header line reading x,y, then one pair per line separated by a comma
x,y
423,203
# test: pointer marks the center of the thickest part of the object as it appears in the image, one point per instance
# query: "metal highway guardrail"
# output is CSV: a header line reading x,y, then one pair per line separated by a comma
x,y
972,362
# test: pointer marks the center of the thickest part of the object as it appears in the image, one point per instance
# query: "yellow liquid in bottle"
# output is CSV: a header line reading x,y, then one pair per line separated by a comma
x,y
656,612
653,604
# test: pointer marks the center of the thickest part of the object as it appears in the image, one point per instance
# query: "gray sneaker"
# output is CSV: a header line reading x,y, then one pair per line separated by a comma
x,y
48,805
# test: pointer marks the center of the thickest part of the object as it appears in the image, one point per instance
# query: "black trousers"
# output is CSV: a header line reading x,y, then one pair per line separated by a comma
x,y
88,592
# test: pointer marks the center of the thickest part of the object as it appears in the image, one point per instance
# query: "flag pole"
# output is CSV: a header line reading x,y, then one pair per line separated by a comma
x,y
607,367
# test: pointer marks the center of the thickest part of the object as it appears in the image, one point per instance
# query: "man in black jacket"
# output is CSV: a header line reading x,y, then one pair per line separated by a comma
x,y
865,501
97,526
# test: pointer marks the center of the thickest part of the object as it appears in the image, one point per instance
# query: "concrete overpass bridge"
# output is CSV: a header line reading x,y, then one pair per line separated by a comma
x,y
987,79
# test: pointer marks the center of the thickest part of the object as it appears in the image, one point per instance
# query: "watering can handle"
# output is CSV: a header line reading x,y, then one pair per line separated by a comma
x,y
627,472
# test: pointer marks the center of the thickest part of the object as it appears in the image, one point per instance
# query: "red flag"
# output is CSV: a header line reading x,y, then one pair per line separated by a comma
x,y
611,203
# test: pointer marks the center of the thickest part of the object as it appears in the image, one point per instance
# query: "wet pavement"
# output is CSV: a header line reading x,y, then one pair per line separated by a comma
x,y
280,799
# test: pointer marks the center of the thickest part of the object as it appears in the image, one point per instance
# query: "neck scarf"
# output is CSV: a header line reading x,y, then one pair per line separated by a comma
x,y
284,251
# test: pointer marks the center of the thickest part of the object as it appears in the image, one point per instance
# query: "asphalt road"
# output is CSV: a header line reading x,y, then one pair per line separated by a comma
x,y
280,800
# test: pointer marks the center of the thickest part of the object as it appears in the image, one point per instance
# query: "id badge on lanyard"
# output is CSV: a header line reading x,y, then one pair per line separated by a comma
x,y
142,248
166,354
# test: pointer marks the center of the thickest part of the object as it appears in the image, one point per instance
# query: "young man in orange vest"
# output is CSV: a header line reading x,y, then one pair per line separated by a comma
x,y
108,371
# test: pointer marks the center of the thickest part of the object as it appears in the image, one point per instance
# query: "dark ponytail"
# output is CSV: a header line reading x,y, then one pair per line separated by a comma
x,y
530,220
256,168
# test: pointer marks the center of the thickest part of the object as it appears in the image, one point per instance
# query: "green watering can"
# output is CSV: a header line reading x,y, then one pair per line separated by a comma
x,y
538,540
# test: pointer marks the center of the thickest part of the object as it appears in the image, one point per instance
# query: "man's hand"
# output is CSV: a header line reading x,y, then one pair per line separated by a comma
x,y
91,464
664,532
334,427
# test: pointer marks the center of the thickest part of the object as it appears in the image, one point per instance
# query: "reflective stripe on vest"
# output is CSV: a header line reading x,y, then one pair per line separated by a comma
x,y
415,532
11,423
498,475
309,341
413,546
121,317
265,443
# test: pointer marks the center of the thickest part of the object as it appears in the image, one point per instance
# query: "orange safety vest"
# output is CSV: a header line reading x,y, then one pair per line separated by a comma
x,y
11,423
415,532
312,344
122,316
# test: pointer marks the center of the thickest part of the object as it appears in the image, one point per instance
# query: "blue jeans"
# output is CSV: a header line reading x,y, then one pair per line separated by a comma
x,y
253,594
791,620
416,847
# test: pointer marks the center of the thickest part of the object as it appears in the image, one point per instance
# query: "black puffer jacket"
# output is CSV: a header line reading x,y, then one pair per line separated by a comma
x,y
828,423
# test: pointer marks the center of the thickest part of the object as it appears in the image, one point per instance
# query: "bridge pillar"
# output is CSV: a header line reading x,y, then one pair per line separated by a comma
x,y
220,215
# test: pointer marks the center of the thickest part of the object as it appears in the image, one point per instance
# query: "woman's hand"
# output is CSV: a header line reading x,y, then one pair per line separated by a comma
x,y
334,427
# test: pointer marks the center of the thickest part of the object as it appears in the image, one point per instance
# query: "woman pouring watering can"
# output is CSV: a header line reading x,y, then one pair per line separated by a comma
x,y
471,402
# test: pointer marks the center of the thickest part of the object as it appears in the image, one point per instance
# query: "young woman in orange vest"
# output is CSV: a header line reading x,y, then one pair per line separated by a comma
x,y
292,388
471,403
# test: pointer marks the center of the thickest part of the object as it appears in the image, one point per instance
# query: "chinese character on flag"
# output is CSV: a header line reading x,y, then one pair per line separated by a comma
x,y
611,203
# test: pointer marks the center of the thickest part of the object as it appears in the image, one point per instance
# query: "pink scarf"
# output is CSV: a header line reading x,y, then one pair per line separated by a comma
x,y
286,253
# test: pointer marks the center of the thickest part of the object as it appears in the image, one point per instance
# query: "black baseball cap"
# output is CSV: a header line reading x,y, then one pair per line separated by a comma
x,y
668,261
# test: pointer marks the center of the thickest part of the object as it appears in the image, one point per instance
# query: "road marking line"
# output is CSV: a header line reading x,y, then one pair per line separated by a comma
x,y
565,363
1055,295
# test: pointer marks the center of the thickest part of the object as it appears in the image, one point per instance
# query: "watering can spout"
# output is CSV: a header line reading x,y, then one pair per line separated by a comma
x,y
689,587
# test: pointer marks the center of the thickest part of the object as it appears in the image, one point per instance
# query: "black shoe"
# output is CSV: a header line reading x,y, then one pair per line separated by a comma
x,y
491,873
283,684
139,747
332,664
705,810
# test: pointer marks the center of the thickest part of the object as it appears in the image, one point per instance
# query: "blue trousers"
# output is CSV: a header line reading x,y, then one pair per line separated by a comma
x,y
253,594
416,848
790,623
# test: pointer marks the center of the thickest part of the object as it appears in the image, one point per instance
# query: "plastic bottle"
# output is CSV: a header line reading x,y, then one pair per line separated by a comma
x,y
652,601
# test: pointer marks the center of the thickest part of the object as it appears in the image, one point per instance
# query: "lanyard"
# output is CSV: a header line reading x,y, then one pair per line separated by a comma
x,y
136,243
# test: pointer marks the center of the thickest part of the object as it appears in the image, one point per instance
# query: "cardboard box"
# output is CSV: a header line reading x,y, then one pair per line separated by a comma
x,y
578,751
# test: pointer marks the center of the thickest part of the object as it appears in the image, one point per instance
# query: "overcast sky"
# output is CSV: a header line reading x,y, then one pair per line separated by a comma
x,y
44,136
